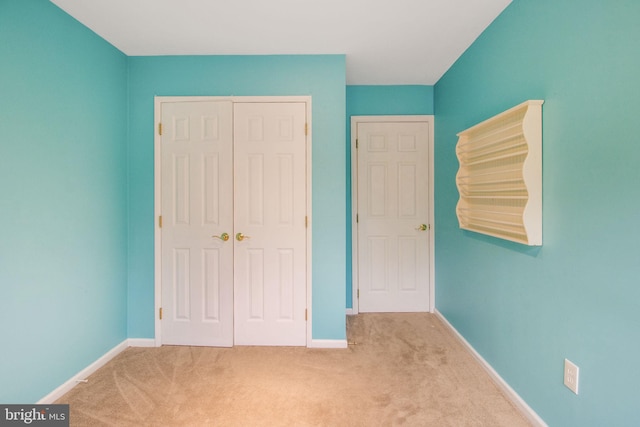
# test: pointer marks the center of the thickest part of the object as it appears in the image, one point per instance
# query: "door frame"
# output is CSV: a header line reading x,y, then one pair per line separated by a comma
x,y
158,101
355,120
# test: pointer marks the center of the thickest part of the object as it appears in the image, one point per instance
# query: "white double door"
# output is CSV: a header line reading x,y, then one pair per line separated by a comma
x,y
233,233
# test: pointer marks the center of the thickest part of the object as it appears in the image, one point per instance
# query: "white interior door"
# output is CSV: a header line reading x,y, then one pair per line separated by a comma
x,y
393,216
270,230
197,204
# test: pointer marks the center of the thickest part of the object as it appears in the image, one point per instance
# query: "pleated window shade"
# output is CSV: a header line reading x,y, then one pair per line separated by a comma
x,y
500,175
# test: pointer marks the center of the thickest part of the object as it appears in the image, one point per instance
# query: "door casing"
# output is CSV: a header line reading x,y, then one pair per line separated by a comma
x,y
354,202
158,100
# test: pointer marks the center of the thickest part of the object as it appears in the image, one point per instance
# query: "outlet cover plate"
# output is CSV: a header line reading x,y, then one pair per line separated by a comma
x,y
571,375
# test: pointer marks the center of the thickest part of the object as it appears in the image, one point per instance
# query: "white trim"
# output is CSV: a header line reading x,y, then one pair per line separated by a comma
x,y
432,217
350,312
307,100
354,202
142,342
518,402
354,211
83,374
158,100
328,344
157,211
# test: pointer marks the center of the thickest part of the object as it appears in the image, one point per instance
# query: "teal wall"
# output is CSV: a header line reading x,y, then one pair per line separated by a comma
x,y
62,198
322,77
400,100
577,297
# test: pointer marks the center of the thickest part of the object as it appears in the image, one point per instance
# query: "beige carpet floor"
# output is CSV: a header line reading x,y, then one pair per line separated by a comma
x,y
400,369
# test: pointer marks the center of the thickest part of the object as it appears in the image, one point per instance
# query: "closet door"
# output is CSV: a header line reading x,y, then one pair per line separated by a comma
x,y
197,211
269,223
393,216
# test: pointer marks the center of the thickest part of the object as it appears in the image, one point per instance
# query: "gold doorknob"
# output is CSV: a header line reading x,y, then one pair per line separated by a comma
x,y
224,237
422,227
240,237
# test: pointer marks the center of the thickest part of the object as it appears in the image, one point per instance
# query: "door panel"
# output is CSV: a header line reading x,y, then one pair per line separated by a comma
x,y
197,204
270,210
392,194
233,168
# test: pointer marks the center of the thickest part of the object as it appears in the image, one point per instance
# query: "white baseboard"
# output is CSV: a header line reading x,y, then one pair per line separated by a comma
x,y
328,344
142,342
350,312
83,374
525,409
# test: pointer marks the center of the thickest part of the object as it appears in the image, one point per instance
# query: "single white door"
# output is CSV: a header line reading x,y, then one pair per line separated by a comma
x,y
393,211
270,231
197,211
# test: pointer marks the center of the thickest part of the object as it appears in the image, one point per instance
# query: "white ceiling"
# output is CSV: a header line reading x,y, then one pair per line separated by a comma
x,y
385,41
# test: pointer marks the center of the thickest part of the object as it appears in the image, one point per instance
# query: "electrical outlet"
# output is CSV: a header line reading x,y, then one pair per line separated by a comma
x,y
571,375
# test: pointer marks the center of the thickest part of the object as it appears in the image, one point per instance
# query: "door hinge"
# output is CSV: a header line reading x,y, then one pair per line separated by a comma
x,y
358,296
356,143
357,218
306,221
160,221
306,129
160,313
160,128
305,315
